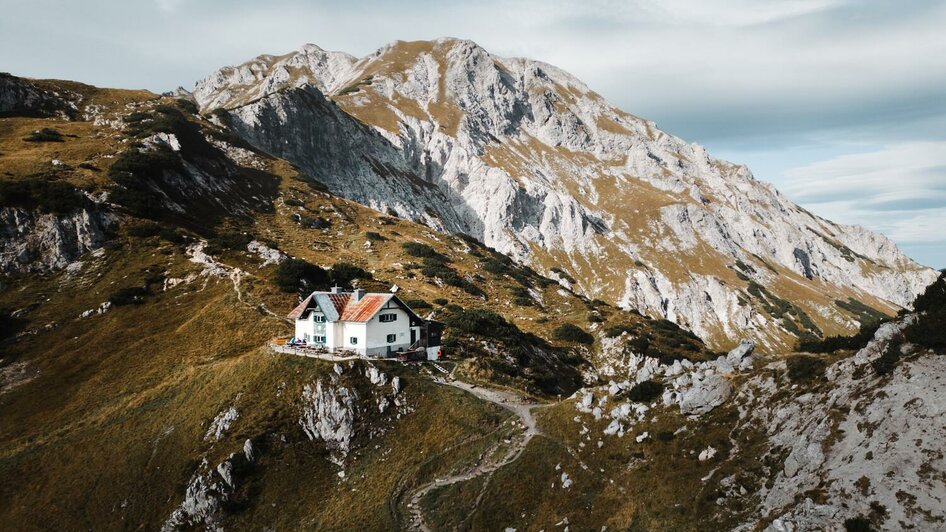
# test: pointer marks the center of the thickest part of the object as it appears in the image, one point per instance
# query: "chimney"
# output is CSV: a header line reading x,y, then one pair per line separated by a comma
x,y
336,290
358,293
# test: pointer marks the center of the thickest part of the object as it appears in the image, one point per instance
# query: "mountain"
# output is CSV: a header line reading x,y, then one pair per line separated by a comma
x,y
526,158
148,254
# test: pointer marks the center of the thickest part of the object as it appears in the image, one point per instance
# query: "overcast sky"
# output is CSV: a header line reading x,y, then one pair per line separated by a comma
x,y
840,103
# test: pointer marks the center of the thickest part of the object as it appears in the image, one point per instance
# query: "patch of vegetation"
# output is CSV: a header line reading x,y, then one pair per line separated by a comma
x,y
930,327
297,275
887,362
134,295
375,237
858,524
595,318
831,344
561,273
44,135
134,171
417,304
572,333
804,368
232,240
424,251
613,331
861,312
343,273
46,196
441,301
645,391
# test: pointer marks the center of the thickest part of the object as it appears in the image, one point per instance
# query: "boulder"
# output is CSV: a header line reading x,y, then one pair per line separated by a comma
x,y
705,395
741,351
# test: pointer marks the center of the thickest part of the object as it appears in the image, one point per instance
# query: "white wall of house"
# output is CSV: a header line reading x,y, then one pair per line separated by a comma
x,y
378,331
309,329
353,331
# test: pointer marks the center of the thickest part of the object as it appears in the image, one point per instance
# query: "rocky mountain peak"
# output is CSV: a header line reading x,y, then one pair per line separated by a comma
x,y
527,158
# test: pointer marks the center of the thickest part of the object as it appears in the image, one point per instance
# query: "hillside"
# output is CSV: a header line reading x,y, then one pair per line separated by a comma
x,y
148,254
526,158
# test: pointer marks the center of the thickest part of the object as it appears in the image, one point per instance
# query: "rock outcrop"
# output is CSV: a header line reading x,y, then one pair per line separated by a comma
x,y
31,241
328,414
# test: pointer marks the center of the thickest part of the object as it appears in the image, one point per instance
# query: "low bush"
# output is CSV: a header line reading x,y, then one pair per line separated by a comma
x,y
296,275
595,318
858,524
421,250
44,135
572,333
375,237
343,273
804,368
887,362
930,328
144,229
645,391
613,331
417,304
233,240
481,322
441,301
134,295
46,196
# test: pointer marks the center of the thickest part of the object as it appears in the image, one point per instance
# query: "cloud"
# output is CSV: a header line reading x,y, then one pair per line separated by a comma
x,y
899,190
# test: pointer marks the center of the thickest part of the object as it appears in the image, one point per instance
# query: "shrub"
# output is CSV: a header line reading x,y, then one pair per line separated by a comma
x,y
441,301
887,362
44,135
144,230
930,328
803,368
561,273
523,301
613,331
858,524
89,166
293,202
639,344
375,237
417,304
831,344
129,296
595,318
572,333
294,275
483,323
645,391
231,240
46,196
420,250
343,273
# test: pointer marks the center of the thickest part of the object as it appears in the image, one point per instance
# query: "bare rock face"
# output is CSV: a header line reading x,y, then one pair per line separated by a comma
x,y
20,97
36,242
328,414
705,395
886,449
528,159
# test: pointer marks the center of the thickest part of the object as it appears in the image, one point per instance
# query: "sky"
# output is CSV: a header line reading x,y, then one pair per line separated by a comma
x,y
840,103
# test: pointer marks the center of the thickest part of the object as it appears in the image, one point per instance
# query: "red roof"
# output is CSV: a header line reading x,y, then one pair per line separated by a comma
x,y
347,308
364,309
297,312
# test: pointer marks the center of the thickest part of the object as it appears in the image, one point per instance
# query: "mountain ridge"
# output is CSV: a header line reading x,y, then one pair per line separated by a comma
x,y
528,159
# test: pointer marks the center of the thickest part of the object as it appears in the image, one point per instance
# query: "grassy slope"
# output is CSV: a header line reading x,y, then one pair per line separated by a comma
x,y
108,427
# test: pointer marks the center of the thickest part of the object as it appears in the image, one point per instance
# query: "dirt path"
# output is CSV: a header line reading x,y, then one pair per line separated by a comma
x,y
503,399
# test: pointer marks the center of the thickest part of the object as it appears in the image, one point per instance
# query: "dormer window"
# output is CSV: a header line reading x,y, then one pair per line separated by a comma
x,y
319,318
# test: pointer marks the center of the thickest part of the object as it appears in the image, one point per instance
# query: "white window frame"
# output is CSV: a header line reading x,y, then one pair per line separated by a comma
x,y
319,318
383,317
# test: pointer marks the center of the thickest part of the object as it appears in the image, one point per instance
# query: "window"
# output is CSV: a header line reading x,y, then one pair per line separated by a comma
x,y
353,340
392,338
319,318
319,339
387,317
